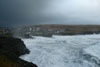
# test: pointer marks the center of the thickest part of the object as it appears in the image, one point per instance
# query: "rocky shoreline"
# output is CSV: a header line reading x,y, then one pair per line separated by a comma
x,y
10,50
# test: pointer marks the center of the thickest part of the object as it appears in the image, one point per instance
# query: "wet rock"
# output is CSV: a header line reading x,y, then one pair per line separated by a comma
x,y
10,49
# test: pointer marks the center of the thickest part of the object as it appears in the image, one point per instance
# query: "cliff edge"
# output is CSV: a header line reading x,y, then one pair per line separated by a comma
x,y
10,50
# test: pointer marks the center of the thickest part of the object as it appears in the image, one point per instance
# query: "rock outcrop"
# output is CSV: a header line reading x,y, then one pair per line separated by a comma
x,y
10,50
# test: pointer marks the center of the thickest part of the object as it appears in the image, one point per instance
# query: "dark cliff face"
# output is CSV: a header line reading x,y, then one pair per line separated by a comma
x,y
13,46
10,50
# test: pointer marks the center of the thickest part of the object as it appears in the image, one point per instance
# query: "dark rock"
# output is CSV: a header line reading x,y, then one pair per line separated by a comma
x,y
26,36
13,48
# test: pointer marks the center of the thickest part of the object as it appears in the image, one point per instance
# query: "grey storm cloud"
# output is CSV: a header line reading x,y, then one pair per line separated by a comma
x,y
26,12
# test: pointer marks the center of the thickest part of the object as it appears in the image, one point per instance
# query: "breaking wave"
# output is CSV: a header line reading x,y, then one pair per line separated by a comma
x,y
61,51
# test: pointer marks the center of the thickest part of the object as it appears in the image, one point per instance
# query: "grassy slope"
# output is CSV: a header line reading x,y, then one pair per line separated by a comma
x,y
7,62
74,29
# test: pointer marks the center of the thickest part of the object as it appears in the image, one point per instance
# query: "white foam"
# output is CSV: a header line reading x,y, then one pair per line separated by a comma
x,y
60,51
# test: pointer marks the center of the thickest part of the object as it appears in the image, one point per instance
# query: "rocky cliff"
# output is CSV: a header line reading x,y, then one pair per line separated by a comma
x,y
10,50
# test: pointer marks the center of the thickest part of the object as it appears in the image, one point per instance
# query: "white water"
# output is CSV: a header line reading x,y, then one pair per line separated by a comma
x,y
60,51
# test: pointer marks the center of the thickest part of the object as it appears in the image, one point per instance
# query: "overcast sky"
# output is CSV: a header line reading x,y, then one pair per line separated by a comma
x,y
26,12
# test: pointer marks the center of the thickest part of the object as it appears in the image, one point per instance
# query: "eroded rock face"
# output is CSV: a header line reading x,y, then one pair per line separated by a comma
x,y
12,48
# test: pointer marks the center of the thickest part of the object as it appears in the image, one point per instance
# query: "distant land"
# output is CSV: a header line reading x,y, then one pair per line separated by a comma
x,y
52,29
56,29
